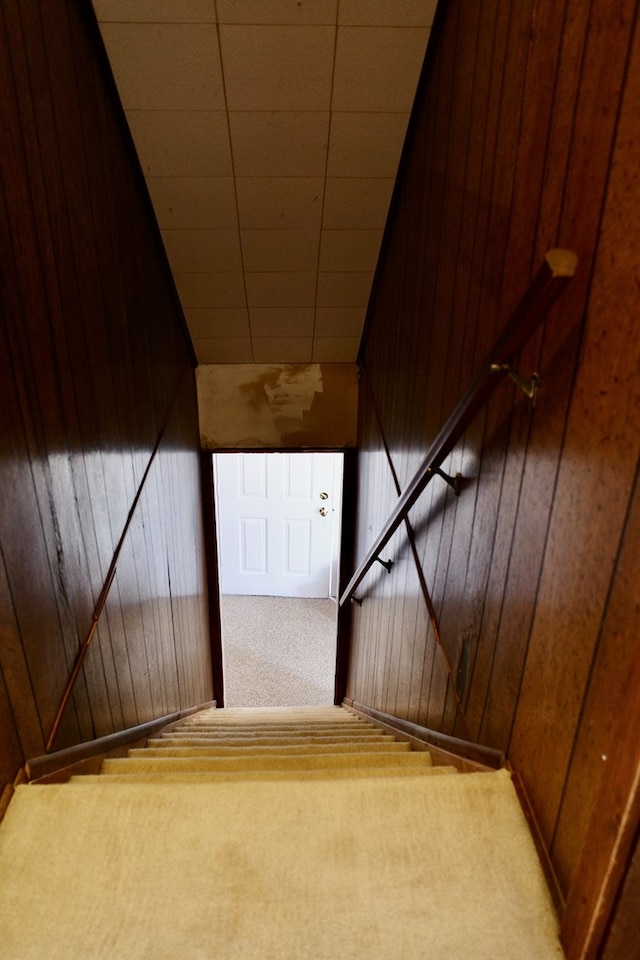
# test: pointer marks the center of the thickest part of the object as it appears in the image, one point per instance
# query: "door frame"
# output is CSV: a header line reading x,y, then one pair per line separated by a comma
x,y
347,546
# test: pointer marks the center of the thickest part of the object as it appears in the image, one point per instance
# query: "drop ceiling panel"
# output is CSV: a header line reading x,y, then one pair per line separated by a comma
x,y
277,67
344,289
274,203
349,250
279,144
269,133
366,144
211,289
203,251
211,322
194,202
159,11
288,350
281,289
398,13
359,204
339,322
377,68
282,322
167,66
182,143
280,250
278,11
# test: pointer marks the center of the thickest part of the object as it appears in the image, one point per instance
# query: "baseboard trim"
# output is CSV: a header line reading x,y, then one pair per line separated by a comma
x,y
464,750
49,763
5,798
536,833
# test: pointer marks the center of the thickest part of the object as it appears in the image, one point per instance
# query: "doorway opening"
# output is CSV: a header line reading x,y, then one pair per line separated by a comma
x,y
278,529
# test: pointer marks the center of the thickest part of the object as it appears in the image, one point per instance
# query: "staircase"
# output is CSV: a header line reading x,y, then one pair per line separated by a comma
x,y
282,833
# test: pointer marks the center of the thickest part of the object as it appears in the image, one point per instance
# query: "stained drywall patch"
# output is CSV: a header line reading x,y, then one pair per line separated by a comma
x,y
254,406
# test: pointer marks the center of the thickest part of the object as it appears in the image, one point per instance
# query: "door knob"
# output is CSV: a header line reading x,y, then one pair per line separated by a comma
x,y
324,496
323,511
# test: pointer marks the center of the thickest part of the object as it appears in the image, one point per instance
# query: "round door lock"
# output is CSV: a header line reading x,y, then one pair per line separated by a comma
x,y
323,511
324,496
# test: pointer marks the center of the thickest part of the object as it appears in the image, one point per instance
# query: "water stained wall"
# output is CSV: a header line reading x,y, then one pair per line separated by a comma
x,y
277,406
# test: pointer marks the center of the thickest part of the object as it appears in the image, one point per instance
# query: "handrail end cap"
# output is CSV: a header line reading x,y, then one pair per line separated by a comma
x,y
562,262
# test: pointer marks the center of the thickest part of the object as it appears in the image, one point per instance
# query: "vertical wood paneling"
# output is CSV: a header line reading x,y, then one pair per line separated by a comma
x,y
94,366
520,110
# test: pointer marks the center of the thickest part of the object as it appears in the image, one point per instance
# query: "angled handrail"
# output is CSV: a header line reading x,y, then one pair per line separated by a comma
x,y
551,279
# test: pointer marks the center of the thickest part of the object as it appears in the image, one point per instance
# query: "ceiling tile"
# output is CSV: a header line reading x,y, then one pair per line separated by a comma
x,y
339,322
182,143
400,13
280,202
377,68
150,11
280,250
285,350
279,144
207,322
282,321
277,11
210,289
171,66
366,144
277,68
344,289
281,289
194,202
356,204
203,251
223,351
335,349
349,249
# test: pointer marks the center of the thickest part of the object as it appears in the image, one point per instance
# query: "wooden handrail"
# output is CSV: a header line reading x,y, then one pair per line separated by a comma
x,y
547,285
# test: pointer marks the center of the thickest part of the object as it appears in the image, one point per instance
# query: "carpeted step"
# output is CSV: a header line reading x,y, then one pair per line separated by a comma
x,y
299,711
276,762
326,773
411,867
204,740
232,737
289,750
256,728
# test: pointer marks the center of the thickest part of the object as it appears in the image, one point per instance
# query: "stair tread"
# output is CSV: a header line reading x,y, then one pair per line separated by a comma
x,y
257,727
124,764
229,776
266,740
246,750
305,867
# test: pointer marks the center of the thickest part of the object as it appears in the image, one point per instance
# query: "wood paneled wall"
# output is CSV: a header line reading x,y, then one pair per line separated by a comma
x,y
98,407
524,137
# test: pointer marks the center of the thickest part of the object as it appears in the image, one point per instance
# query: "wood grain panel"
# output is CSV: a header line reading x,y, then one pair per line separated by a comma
x,y
11,756
530,569
94,365
590,503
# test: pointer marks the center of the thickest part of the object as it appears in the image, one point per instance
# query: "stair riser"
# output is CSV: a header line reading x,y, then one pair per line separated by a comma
x,y
177,765
169,750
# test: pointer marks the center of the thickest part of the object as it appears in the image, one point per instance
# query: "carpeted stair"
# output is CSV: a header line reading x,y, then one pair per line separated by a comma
x,y
284,833
279,744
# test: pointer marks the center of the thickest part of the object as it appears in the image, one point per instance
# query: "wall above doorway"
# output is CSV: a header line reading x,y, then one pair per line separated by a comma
x,y
277,406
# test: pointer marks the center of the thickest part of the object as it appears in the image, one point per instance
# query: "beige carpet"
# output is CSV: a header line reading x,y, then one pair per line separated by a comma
x,y
278,651
411,867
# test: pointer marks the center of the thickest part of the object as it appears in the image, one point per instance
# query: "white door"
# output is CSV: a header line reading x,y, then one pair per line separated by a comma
x,y
279,523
